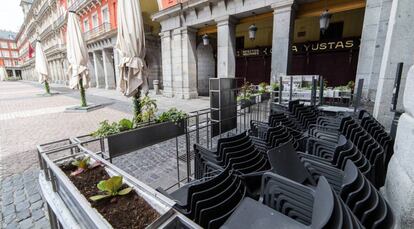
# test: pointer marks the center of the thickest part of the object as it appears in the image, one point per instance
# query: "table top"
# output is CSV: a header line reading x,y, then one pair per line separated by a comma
x,y
252,214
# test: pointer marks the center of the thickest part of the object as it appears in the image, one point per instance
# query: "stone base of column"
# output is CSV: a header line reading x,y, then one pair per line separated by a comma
x,y
186,95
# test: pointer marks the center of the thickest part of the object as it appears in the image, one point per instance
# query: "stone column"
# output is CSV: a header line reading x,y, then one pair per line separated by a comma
x,y
189,63
177,63
283,22
14,73
226,47
372,45
92,82
398,188
167,77
109,70
99,73
399,47
116,63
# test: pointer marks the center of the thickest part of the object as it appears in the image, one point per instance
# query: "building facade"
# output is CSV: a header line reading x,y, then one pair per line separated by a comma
x,y
45,20
366,39
9,54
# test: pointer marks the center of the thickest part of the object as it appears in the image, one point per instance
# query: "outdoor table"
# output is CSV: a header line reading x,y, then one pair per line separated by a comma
x,y
253,214
336,109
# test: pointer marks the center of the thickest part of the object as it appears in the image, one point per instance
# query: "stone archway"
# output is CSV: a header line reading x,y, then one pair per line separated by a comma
x,y
206,68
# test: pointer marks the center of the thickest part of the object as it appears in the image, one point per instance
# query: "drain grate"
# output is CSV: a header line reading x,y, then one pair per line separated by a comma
x,y
183,157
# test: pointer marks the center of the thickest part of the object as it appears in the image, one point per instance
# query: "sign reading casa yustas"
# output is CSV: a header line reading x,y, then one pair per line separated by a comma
x,y
308,47
326,46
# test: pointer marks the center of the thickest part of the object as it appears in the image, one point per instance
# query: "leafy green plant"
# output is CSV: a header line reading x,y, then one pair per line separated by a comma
x,y
274,86
81,165
125,124
148,109
105,129
263,88
172,115
246,92
111,187
341,88
351,85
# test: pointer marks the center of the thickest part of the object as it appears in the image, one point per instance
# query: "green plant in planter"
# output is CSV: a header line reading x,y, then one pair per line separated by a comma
x,y
125,124
351,85
263,88
148,110
105,129
245,92
111,187
274,86
172,115
81,165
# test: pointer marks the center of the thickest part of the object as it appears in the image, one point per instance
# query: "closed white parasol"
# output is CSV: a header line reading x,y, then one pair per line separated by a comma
x,y
41,64
131,47
77,54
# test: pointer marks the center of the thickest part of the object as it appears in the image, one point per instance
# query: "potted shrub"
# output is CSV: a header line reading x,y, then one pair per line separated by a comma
x,y
245,97
264,91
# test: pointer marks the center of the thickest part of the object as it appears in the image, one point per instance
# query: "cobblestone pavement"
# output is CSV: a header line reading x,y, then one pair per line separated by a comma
x,y
28,119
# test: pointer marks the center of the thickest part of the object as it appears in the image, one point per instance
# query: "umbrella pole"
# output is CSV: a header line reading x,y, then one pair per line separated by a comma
x,y
47,88
82,93
137,107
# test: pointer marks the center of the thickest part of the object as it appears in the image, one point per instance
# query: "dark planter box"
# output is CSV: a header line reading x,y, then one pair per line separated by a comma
x,y
265,96
245,103
253,100
129,141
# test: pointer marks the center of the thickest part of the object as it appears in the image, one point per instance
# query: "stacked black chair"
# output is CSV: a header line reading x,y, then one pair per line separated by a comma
x,y
304,115
294,206
377,131
240,155
337,154
356,191
265,137
364,142
211,201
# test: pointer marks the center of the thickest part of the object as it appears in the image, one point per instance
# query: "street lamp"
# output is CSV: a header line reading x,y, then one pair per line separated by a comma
x,y
324,20
206,39
252,31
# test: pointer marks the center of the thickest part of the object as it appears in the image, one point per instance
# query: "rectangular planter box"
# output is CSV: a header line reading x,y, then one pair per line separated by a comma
x,y
70,207
264,96
129,141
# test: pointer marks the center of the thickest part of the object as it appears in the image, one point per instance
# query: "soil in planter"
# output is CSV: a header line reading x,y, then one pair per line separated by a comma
x,y
129,211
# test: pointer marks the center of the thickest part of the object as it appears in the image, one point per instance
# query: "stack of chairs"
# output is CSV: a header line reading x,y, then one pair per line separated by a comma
x,y
356,191
302,114
337,153
209,202
237,152
265,137
378,132
354,132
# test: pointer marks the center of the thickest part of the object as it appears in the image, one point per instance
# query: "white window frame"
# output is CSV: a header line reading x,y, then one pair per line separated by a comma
x,y
97,20
3,44
86,26
6,53
105,7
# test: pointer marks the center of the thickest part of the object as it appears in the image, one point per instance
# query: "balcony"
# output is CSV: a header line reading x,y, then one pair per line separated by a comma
x,y
43,9
57,47
46,32
60,21
97,31
81,4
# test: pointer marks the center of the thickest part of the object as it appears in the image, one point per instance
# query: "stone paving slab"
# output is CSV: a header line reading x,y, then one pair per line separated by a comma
x,y
27,119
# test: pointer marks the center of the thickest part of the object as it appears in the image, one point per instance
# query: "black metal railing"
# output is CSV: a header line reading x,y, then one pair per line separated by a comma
x,y
97,31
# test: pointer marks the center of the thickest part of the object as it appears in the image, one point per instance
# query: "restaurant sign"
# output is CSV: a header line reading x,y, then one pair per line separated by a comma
x,y
308,47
